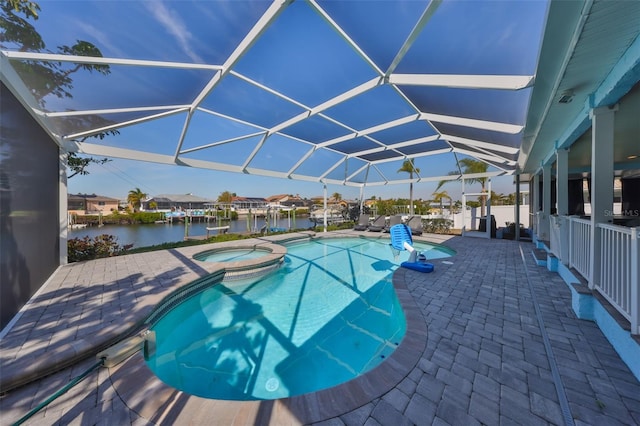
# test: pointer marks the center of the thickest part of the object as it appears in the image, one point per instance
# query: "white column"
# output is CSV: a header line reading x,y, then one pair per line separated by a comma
x,y
562,182
488,216
535,202
325,206
562,204
602,127
516,213
464,210
543,232
63,206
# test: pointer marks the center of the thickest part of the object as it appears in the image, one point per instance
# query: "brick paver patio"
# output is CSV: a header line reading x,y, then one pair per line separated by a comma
x,y
500,345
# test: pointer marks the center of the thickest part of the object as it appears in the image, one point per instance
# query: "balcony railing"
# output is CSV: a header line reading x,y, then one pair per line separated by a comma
x,y
580,245
618,266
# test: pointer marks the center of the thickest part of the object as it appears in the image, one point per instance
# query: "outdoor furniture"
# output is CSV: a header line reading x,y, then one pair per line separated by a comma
x,y
415,224
393,220
363,223
378,224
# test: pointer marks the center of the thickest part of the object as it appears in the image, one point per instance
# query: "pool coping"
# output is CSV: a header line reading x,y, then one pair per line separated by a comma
x,y
133,379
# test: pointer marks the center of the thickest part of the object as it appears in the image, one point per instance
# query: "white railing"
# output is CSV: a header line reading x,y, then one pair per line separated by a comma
x,y
555,236
580,245
618,266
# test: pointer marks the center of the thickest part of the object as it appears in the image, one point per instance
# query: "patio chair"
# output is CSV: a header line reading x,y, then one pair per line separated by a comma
x,y
363,223
393,220
415,224
378,224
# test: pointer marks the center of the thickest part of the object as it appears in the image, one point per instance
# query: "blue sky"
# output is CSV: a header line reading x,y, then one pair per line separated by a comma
x,y
306,61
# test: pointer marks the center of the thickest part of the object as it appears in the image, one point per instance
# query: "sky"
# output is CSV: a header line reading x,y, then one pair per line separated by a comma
x,y
308,63
116,178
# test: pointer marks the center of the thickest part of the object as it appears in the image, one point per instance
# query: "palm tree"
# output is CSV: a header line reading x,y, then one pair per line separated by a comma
x,y
135,198
438,197
470,166
409,167
336,197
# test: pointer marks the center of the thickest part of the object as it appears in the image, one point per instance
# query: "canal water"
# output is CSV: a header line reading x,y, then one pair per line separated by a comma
x,y
153,234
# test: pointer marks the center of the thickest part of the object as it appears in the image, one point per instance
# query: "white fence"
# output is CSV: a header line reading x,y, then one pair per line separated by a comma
x,y
617,268
580,245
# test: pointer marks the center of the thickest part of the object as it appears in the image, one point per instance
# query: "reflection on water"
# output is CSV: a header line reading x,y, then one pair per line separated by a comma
x,y
324,318
149,235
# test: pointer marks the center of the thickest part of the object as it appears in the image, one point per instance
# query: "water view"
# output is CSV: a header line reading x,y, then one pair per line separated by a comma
x,y
149,235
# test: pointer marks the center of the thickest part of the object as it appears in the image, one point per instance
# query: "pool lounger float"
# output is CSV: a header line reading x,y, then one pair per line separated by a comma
x,y
401,240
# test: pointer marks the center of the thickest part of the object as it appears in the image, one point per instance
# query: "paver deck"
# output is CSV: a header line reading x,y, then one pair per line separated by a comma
x,y
494,337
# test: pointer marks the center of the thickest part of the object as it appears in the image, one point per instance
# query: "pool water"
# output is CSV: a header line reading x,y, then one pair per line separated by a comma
x,y
327,316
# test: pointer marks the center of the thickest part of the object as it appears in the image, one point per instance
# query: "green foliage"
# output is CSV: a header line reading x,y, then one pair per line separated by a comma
x,y
135,198
228,215
78,165
437,226
86,248
116,218
226,197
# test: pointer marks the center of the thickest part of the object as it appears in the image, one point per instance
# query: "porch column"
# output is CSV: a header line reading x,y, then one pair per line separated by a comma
x,y
464,210
562,204
516,215
63,206
325,206
488,216
543,232
602,127
535,202
562,182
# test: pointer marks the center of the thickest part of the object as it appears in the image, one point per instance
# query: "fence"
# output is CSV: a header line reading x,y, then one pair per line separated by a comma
x,y
618,267
580,245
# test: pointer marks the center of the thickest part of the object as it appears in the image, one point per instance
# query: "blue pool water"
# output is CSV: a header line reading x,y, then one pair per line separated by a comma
x,y
328,315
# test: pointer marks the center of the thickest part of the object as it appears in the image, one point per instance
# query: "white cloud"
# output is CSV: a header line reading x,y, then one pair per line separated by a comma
x,y
174,26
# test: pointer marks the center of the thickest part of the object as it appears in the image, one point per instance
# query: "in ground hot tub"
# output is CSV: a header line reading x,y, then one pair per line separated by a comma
x,y
244,260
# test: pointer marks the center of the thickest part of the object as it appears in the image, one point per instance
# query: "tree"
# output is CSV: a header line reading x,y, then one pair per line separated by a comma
x,y
409,167
49,78
135,198
78,165
226,197
438,197
336,196
470,166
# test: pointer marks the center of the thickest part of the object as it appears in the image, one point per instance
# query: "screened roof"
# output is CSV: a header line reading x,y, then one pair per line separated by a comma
x,y
341,92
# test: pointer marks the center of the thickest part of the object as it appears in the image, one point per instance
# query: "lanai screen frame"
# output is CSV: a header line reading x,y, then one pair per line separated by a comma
x,y
352,155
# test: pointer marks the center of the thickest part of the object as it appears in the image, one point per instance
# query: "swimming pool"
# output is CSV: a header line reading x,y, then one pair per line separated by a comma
x,y
325,317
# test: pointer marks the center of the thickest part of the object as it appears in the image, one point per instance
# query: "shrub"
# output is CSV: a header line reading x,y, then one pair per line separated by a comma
x,y
86,248
437,226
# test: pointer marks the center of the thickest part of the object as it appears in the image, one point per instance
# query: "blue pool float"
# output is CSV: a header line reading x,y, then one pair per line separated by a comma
x,y
401,240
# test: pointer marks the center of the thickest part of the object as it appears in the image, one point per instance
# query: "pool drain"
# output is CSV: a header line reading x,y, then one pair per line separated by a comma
x,y
272,384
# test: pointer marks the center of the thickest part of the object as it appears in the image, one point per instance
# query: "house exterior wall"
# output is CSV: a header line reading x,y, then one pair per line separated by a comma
x,y
29,219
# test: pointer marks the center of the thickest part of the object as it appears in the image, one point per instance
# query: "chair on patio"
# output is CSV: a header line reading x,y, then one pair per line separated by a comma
x,y
363,223
415,224
378,224
393,220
